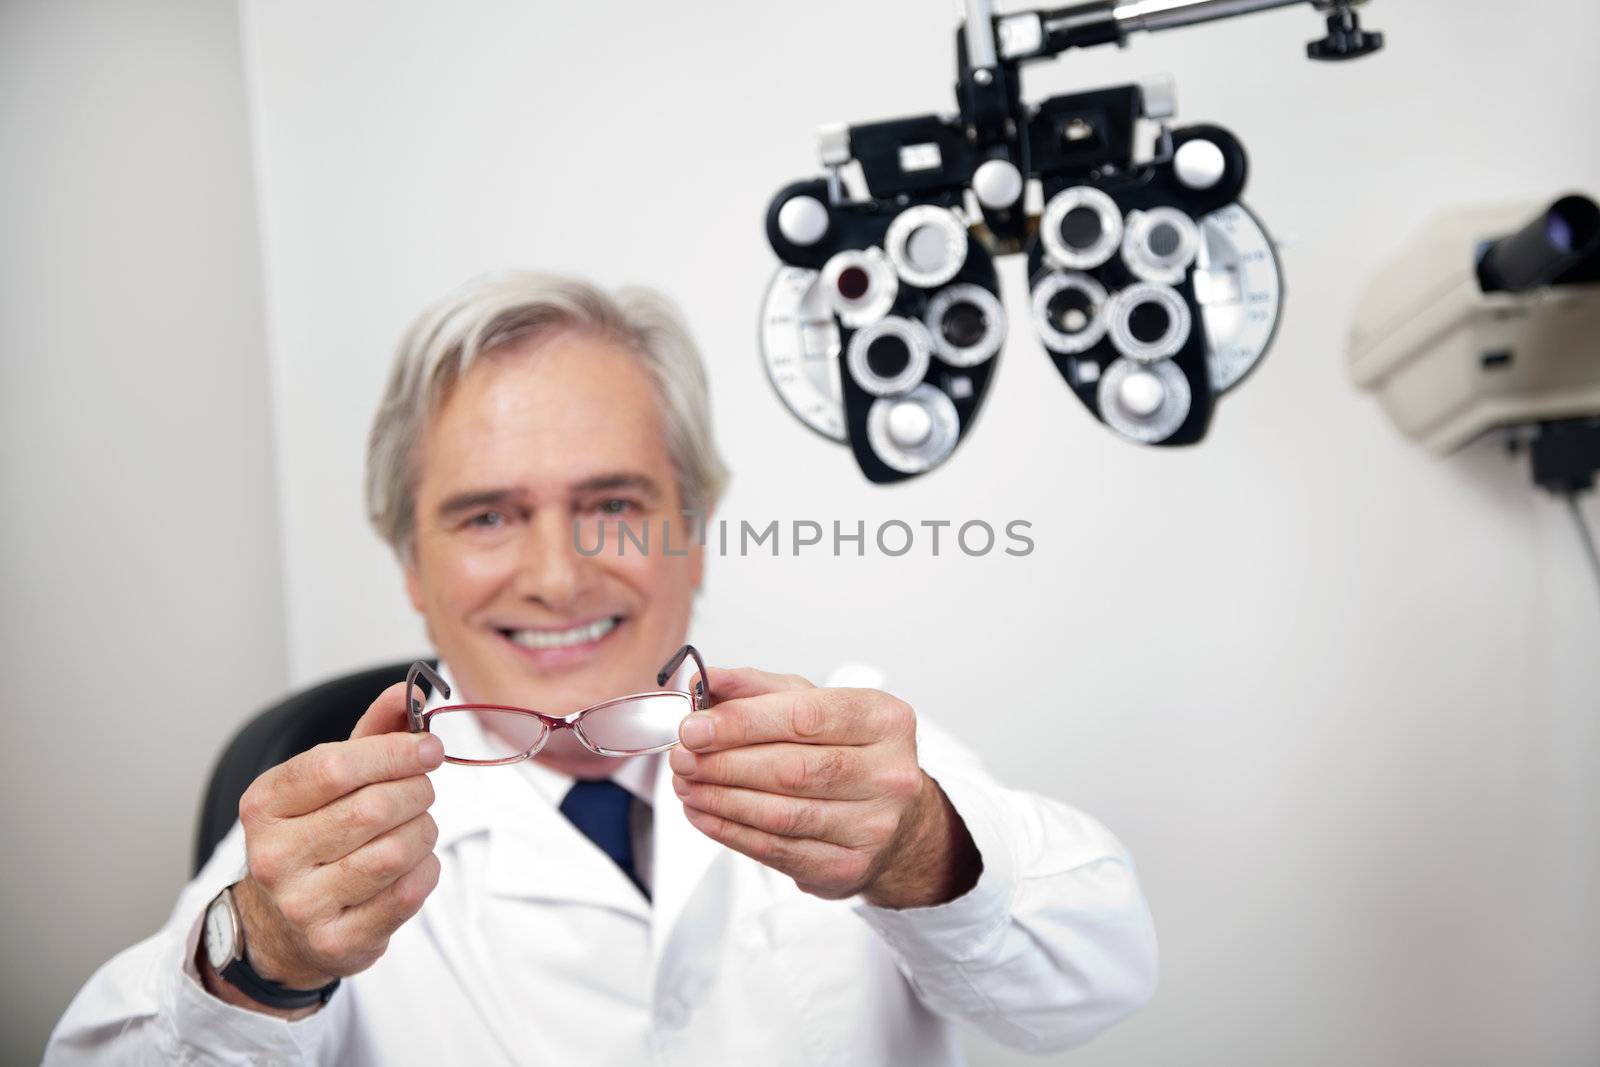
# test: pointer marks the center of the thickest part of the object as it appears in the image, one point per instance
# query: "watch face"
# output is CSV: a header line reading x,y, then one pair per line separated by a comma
x,y
218,933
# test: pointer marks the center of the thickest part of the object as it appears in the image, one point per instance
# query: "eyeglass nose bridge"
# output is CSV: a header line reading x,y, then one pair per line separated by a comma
x,y
552,723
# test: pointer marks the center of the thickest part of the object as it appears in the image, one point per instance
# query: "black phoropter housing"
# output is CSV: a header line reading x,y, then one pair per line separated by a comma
x,y
1077,139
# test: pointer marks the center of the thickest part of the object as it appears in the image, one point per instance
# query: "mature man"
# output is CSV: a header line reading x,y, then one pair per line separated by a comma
x,y
815,876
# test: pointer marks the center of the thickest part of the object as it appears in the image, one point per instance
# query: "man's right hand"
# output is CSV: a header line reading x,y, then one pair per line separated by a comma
x,y
340,849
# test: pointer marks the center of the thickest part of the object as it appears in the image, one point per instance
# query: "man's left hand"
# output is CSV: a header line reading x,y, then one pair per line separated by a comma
x,y
822,785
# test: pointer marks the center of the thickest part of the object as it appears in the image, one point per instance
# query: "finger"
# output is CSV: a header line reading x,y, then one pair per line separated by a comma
x,y
374,920
841,822
827,772
356,818
734,683
809,716
820,868
327,772
363,874
386,715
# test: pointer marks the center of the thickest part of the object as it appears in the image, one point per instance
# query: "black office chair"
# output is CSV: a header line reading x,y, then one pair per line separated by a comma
x,y
327,712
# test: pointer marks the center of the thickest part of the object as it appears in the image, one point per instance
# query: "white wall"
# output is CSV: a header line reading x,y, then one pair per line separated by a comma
x,y
141,603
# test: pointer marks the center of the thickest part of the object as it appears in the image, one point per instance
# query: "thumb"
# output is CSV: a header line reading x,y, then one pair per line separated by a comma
x,y
387,714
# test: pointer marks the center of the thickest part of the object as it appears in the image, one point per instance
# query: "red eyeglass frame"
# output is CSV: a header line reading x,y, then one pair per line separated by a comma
x,y
418,719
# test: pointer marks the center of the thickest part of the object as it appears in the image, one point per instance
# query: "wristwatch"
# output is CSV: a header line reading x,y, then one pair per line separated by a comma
x,y
224,944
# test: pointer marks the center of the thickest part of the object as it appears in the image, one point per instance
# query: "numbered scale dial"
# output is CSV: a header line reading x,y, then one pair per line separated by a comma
x,y
800,348
1239,284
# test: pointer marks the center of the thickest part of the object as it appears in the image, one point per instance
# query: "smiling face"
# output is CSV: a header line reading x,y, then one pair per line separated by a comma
x,y
535,437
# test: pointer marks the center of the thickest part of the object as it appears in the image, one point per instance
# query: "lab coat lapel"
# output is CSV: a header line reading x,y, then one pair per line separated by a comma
x,y
683,856
536,854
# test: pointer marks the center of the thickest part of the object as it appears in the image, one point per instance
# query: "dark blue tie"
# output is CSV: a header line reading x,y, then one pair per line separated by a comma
x,y
599,809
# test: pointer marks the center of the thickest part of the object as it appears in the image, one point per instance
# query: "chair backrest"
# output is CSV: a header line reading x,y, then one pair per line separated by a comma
x,y
327,712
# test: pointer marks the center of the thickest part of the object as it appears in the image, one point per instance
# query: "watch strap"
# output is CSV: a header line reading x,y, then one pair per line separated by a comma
x,y
244,978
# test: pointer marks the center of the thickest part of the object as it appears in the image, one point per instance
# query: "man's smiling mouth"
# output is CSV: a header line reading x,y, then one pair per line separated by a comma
x,y
582,634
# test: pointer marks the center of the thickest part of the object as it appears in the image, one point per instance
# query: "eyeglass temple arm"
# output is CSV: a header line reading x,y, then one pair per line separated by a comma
x,y
702,691
413,705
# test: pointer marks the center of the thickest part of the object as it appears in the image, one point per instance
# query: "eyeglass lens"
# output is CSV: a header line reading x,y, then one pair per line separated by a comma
x,y
485,733
637,725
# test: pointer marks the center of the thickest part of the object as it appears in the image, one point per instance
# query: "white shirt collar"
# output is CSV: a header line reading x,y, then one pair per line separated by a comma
x,y
636,774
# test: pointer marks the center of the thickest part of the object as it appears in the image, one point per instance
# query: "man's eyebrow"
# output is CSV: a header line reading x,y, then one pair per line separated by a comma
x,y
599,483
619,480
477,498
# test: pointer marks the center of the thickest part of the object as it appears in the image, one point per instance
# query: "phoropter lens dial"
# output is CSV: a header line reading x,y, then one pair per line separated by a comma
x,y
1145,402
1081,228
1148,322
914,432
927,245
1159,245
860,285
1069,310
889,357
967,324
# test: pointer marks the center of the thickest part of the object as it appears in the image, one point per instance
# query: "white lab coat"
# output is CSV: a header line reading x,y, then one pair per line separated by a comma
x,y
535,949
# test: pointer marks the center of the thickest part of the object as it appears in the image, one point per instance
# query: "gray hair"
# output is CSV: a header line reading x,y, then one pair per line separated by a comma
x,y
494,310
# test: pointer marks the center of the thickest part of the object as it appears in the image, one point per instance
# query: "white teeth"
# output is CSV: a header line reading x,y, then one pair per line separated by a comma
x,y
578,635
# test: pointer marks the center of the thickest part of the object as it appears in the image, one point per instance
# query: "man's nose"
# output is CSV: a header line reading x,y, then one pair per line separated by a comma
x,y
550,569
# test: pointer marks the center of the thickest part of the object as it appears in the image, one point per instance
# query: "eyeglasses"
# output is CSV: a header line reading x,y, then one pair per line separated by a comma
x,y
488,735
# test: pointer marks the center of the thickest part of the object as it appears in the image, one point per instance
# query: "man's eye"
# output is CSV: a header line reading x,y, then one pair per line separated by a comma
x,y
615,506
487,520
